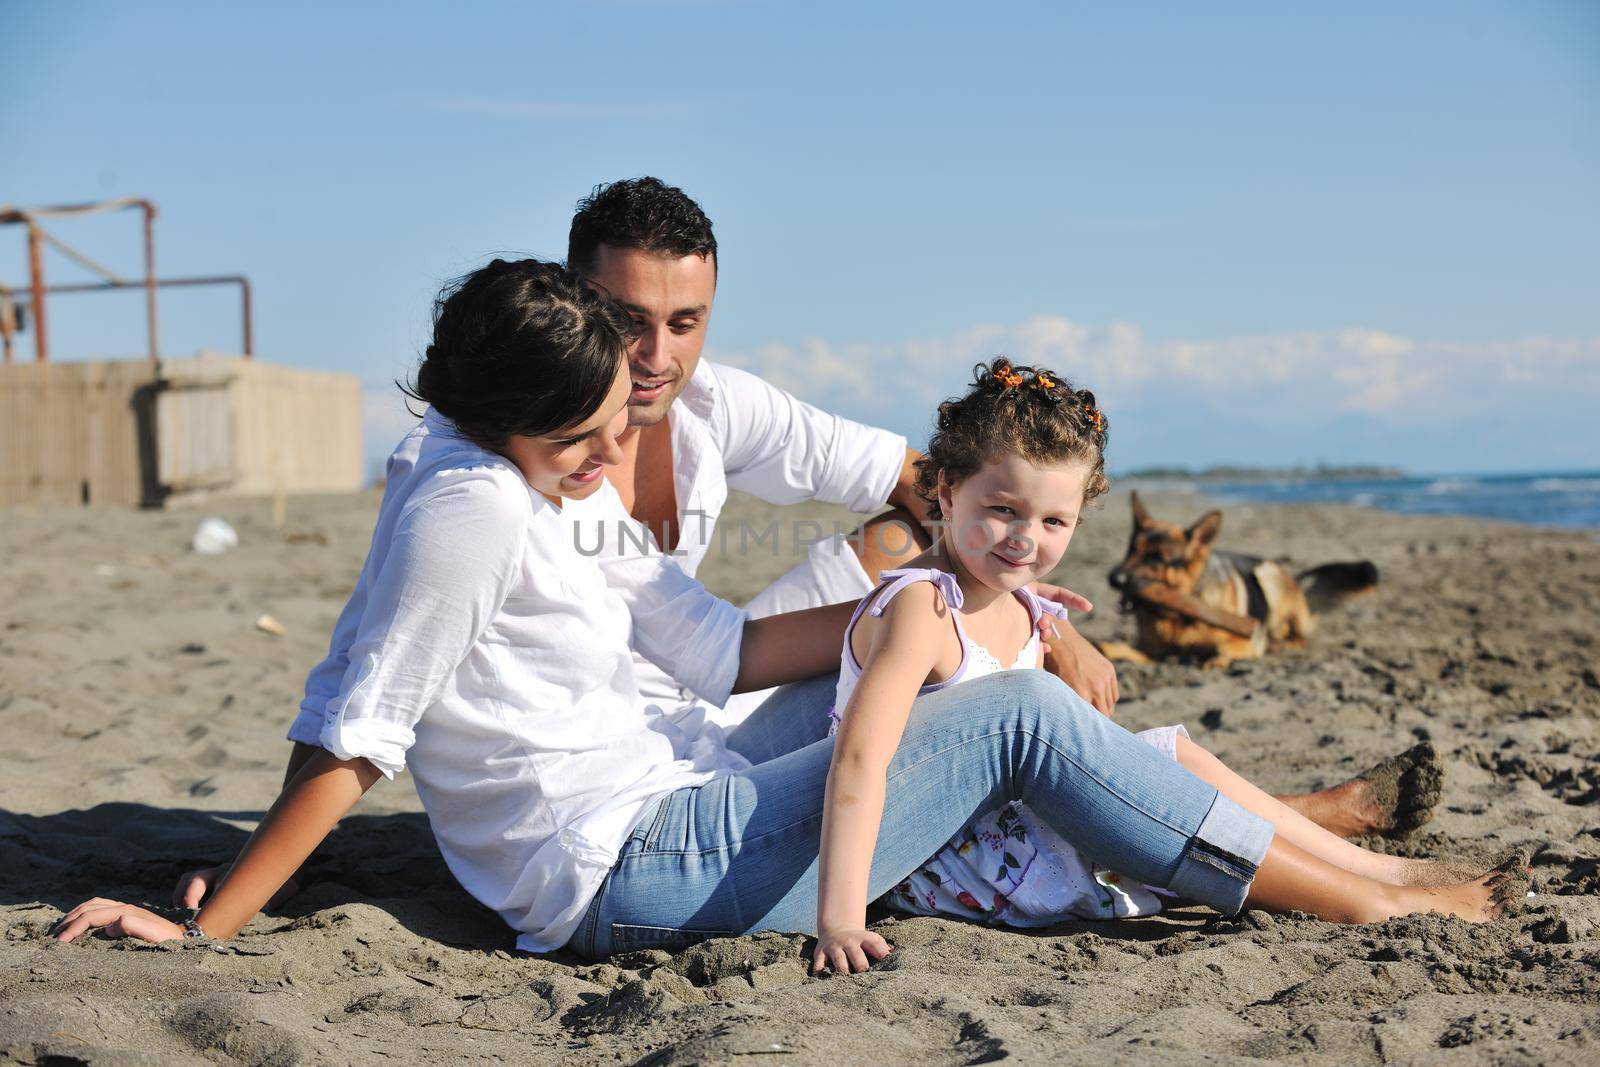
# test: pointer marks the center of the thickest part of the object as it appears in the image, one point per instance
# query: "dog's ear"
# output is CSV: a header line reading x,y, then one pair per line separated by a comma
x,y
1205,530
1141,517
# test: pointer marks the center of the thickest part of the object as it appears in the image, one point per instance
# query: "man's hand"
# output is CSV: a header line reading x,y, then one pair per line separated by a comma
x,y
1065,597
1073,658
194,885
117,920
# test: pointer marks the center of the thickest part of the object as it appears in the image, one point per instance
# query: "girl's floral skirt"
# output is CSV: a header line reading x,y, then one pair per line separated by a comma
x,y
1008,868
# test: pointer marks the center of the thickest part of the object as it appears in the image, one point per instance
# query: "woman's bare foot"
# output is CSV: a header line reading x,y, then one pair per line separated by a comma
x,y
1392,798
1489,896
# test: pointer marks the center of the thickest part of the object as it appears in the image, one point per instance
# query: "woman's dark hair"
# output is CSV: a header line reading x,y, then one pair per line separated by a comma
x,y
519,347
1027,411
639,213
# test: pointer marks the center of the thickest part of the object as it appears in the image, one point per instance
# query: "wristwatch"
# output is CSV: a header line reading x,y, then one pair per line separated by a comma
x,y
191,929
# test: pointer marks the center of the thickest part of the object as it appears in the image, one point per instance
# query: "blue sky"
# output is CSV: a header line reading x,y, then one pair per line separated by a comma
x,y
1261,232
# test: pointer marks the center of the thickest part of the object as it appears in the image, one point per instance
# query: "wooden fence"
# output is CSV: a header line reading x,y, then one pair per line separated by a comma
x,y
133,433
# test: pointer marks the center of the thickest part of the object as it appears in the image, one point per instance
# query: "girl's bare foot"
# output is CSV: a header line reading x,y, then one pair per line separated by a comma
x,y
1399,870
1488,896
1392,798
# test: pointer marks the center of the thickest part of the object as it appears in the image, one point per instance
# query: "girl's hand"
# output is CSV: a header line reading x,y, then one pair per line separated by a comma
x,y
116,919
195,885
847,950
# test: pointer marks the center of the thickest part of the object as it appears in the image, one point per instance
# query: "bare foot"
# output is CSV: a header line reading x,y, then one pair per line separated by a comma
x,y
1499,892
1392,798
1399,870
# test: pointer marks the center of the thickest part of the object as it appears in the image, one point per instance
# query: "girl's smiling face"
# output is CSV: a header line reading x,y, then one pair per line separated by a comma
x,y
1010,522
571,462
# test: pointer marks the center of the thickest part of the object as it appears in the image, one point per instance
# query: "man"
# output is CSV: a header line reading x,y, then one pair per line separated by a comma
x,y
651,249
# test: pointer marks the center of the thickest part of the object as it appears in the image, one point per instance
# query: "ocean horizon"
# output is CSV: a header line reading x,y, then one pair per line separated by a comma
x,y
1565,499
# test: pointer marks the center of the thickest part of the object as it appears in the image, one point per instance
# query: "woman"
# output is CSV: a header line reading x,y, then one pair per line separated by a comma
x,y
491,658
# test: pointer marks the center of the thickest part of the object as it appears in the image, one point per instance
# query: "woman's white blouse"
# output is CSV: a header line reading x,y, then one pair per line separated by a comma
x,y
484,652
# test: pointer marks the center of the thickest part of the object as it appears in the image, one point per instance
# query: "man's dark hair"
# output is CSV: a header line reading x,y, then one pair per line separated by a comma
x,y
638,213
520,347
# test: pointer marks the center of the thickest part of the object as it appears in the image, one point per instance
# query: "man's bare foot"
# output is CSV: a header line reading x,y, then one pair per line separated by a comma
x,y
1392,798
1498,892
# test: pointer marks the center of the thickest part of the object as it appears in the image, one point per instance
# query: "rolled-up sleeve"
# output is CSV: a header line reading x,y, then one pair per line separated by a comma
x,y
448,568
327,677
784,450
679,625
307,725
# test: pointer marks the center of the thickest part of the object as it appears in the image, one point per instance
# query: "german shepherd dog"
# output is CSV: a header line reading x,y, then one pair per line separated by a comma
x,y
1195,603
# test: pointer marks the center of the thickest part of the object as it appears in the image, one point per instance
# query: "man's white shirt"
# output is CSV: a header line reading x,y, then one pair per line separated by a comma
x,y
731,430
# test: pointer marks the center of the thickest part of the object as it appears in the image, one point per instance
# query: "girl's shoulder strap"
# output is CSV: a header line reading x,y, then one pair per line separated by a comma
x,y
892,583
1038,607
897,580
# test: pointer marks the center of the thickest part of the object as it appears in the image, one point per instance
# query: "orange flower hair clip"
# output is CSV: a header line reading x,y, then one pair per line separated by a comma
x,y
1046,387
1096,419
1007,377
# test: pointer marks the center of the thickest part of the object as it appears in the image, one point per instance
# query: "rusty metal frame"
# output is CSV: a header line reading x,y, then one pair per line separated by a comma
x,y
37,289
246,318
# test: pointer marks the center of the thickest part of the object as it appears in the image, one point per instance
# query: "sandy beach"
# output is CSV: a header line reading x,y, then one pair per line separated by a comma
x,y
144,714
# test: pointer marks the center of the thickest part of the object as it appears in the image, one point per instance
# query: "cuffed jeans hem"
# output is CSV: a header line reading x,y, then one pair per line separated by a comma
x,y
1221,860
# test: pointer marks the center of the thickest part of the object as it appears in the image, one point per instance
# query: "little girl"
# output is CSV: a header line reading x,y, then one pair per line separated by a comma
x,y
1010,469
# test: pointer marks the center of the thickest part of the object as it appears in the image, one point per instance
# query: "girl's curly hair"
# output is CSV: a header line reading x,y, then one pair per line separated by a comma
x,y
1029,411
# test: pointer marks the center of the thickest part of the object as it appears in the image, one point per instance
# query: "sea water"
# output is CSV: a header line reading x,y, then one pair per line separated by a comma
x,y
1555,498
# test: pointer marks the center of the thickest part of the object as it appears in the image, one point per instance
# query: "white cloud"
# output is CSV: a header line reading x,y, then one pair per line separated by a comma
x,y
1305,375
1362,394
1381,370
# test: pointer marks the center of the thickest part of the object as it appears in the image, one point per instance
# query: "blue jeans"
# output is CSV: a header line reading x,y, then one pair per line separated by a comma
x,y
739,854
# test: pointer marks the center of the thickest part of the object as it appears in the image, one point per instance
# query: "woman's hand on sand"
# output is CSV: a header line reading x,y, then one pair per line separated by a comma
x,y
848,951
194,886
117,920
